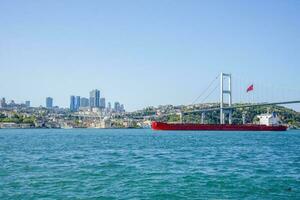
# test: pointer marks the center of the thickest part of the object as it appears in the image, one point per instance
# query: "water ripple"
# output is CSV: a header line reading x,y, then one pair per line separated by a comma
x,y
142,164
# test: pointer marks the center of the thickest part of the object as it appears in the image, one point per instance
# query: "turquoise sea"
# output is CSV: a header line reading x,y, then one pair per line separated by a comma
x,y
143,164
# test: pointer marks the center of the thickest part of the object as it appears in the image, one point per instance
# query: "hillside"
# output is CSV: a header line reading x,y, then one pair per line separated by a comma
x,y
287,115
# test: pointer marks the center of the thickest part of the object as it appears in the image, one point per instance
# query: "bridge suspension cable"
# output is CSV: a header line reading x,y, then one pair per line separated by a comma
x,y
215,88
206,89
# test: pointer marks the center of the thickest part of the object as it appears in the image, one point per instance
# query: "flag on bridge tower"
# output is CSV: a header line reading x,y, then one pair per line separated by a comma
x,y
250,88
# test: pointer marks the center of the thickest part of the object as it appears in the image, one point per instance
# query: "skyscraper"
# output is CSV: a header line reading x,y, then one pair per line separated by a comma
x,y
102,103
95,98
49,102
122,108
84,102
109,106
27,103
77,103
12,103
117,107
72,104
3,103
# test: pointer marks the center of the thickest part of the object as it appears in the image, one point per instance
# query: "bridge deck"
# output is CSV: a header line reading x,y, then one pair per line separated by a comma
x,y
243,106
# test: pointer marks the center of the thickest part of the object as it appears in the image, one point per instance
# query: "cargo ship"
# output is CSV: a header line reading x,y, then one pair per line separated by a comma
x,y
268,122
214,127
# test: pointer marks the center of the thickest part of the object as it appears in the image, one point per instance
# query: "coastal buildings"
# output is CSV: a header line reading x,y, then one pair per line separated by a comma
x,y
95,98
15,125
95,103
13,105
118,108
91,112
49,102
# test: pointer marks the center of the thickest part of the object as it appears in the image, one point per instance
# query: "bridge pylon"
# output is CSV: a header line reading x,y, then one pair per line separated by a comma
x,y
225,91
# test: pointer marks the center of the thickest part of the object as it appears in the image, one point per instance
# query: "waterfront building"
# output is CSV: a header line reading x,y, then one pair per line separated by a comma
x,y
49,102
102,103
95,98
84,102
12,103
27,104
3,103
109,106
77,103
122,109
117,107
72,104
95,110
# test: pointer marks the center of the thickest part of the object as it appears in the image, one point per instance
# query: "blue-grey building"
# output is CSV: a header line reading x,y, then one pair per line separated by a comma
x,y
3,103
72,104
84,102
77,103
27,104
109,106
95,98
49,102
102,103
117,107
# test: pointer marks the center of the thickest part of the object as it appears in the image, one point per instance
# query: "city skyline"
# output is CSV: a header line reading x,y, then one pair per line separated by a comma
x,y
145,58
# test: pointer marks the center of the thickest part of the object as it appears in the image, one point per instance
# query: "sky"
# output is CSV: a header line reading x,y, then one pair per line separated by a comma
x,y
148,53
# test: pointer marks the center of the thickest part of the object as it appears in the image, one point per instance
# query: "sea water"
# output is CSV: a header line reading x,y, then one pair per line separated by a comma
x,y
146,164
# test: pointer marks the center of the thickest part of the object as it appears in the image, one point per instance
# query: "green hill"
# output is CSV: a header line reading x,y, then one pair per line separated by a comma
x,y
287,116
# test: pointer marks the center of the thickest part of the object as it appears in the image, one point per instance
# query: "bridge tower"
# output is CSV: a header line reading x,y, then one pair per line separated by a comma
x,y
225,91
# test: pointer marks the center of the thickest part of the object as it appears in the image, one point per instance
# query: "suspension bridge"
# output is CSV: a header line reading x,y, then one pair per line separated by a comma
x,y
226,92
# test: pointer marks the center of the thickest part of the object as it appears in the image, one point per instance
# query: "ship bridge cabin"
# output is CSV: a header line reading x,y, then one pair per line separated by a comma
x,y
268,119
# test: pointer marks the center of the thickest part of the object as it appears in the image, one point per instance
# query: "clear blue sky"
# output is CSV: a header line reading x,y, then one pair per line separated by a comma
x,y
145,53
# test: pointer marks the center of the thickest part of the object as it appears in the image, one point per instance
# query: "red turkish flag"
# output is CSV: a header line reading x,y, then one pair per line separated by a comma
x,y
250,88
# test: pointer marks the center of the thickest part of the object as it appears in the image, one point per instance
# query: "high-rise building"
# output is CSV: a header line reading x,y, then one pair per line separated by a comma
x,y
117,107
27,104
72,104
84,102
95,98
77,103
49,102
109,106
102,103
3,103
12,103
122,109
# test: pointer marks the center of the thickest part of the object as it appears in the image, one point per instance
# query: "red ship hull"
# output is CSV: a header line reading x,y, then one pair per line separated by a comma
x,y
214,127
